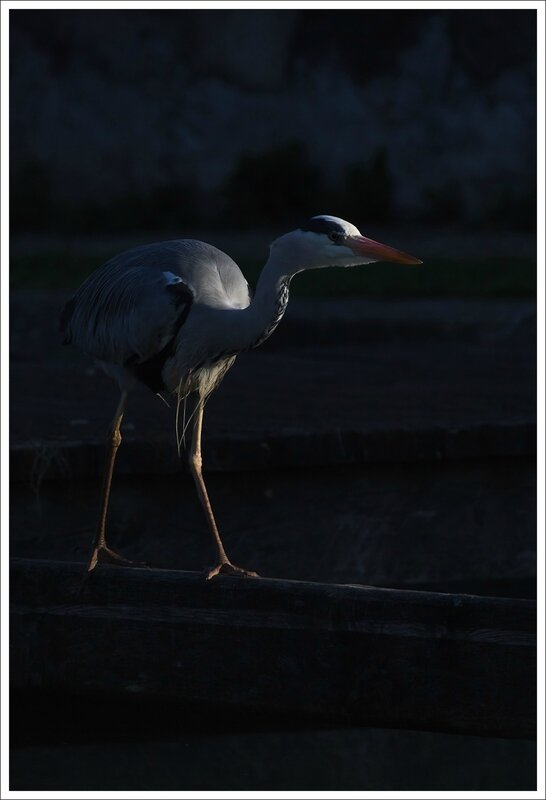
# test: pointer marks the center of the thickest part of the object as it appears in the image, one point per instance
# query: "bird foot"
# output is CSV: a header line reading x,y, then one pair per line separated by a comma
x,y
104,555
227,568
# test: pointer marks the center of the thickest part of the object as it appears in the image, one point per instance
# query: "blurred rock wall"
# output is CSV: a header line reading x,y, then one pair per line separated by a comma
x,y
121,117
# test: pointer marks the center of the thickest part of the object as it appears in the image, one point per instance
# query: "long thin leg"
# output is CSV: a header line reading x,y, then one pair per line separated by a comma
x,y
101,552
196,462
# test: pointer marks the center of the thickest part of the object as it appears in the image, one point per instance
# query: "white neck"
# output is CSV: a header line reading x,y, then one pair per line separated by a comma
x,y
249,327
261,317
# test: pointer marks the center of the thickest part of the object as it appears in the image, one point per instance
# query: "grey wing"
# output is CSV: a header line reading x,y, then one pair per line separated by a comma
x,y
215,278
129,310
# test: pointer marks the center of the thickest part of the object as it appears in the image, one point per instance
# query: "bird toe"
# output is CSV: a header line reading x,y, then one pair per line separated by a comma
x,y
227,568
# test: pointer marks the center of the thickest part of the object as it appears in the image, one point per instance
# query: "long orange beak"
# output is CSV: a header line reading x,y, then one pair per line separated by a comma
x,y
362,246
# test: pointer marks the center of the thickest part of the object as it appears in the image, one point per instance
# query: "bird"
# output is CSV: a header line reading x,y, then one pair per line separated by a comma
x,y
174,316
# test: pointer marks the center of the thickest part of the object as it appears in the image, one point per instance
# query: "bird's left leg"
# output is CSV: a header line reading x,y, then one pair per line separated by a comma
x,y
102,554
224,565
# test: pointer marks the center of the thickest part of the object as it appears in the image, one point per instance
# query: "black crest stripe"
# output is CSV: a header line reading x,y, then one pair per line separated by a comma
x,y
322,225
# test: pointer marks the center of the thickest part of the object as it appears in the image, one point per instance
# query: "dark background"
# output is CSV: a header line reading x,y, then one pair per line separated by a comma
x,y
125,119
234,126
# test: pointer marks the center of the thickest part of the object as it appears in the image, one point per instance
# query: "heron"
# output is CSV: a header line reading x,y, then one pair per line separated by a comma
x,y
174,315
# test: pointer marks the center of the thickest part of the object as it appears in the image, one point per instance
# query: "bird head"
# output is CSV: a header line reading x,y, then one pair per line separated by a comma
x,y
326,241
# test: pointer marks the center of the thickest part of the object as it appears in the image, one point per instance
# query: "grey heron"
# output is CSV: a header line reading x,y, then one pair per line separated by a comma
x,y
174,316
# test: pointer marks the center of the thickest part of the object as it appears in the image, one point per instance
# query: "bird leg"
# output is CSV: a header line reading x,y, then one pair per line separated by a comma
x,y
102,554
224,565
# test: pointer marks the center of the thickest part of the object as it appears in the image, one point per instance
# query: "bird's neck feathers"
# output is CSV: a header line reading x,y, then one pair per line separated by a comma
x,y
270,299
251,326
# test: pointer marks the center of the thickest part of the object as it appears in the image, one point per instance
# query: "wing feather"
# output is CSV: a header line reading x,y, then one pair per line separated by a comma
x,y
130,309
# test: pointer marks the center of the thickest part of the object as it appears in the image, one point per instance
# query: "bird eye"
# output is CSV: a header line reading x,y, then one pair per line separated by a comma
x,y
335,236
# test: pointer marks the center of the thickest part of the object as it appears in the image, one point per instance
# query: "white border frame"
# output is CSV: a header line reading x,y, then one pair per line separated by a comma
x,y
539,6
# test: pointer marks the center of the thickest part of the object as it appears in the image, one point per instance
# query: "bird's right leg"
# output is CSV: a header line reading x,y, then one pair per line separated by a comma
x,y
102,554
224,565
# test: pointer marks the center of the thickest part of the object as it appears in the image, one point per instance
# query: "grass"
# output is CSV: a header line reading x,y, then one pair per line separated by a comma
x,y
488,277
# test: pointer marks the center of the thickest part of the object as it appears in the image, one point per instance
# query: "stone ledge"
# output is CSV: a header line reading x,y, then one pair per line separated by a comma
x,y
306,649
